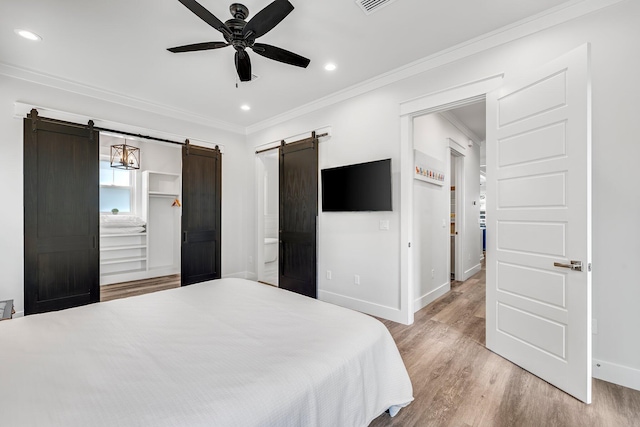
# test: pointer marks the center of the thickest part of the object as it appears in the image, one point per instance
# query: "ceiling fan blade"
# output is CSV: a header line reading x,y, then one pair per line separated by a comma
x,y
243,66
206,16
198,46
281,55
267,18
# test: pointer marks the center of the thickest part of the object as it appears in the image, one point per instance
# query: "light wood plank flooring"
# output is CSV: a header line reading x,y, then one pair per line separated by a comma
x,y
138,287
458,382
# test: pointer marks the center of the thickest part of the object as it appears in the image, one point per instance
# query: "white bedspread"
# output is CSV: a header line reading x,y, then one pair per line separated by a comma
x,y
223,353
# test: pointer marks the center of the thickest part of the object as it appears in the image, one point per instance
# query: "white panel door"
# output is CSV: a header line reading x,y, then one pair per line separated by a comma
x,y
539,222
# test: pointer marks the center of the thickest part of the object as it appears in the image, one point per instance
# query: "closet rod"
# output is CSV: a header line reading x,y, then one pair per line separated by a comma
x,y
138,135
278,146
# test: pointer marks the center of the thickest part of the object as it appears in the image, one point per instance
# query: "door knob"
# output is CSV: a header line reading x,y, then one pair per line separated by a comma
x,y
575,265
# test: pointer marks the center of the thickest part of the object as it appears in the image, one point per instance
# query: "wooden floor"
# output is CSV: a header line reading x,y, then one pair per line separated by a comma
x,y
458,382
138,287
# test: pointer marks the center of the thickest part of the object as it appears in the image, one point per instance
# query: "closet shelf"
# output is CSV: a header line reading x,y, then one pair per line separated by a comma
x,y
123,247
119,272
123,235
122,260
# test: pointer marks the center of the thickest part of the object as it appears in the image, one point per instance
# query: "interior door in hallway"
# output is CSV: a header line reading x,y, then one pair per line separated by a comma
x,y
61,204
201,214
298,215
539,222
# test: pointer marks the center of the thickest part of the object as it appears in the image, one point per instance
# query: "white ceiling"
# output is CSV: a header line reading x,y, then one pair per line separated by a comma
x,y
474,117
119,46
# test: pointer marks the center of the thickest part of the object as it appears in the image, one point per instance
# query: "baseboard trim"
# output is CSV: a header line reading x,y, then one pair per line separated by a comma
x,y
473,270
431,296
616,374
378,310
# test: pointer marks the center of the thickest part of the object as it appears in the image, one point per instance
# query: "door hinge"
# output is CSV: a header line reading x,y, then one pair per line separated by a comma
x,y
588,266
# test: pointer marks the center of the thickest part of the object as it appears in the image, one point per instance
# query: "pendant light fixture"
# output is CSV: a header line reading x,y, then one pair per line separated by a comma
x,y
125,156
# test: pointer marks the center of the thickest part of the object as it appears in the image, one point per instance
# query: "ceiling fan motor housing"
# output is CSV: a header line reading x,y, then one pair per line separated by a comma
x,y
236,25
239,11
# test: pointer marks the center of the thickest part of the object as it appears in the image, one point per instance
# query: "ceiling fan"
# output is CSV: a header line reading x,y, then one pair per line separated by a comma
x,y
241,34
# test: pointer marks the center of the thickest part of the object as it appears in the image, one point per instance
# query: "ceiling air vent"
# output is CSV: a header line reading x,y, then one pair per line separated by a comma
x,y
370,6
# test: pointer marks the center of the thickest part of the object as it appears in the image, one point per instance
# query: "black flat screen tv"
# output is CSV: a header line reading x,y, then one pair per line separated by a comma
x,y
359,187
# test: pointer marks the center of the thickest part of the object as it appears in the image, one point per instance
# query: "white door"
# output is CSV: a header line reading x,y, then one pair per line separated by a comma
x,y
539,222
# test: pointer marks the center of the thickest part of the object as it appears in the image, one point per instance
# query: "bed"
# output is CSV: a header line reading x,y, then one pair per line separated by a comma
x,y
227,352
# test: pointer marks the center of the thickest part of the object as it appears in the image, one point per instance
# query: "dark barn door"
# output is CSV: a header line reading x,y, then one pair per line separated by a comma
x,y
61,210
201,214
298,214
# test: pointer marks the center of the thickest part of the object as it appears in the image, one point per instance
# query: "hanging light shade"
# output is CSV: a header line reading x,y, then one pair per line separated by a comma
x,y
125,156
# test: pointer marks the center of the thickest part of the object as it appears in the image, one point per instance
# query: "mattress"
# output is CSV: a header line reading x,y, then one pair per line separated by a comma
x,y
227,352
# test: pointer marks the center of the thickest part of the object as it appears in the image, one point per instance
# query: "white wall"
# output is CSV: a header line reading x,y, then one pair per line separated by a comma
x,y
367,127
430,244
351,243
431,208
11,177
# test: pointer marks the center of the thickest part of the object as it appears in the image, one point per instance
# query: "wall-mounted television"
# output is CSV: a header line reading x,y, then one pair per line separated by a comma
x,y
358,187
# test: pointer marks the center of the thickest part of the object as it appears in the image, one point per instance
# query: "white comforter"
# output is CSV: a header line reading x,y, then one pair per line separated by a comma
x,y
223,353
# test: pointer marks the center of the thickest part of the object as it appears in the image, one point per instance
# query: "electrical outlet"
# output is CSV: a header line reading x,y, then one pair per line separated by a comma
x,y
384,224
328,274
356,279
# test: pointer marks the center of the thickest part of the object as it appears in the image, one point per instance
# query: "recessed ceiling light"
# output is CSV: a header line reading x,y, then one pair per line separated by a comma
x,y
330,67
245,107
29,35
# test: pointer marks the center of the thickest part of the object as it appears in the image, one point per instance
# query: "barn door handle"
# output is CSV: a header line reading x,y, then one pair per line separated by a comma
x,y
184,237
575,265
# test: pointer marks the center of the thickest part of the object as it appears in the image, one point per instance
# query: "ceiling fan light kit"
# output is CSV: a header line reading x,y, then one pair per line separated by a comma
x,y
242,34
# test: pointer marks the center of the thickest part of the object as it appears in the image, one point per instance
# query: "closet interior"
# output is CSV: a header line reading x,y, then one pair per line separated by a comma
x,y
140,211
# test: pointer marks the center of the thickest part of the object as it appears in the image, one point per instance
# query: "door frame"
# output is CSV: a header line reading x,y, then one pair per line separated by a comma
x,y
458,157
260,204
259,186
464,94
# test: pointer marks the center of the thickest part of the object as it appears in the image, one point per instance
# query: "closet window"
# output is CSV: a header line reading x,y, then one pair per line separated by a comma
x,y
116,188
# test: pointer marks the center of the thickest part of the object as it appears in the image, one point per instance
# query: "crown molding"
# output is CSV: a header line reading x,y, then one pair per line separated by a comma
x,y
528,26
114,97
455,121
